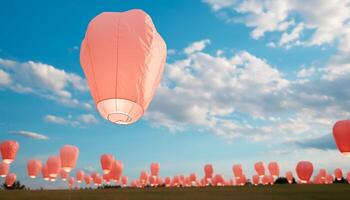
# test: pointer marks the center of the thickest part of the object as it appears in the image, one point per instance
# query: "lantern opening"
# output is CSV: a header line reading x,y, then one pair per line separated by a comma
x,y
8,161
346,154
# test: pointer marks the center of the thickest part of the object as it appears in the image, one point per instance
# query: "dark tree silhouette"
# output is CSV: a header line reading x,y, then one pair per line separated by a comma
x,y
342,181
283,180
16,186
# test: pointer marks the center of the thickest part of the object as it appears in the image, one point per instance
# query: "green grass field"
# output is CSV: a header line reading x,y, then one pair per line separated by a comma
x,y
278,192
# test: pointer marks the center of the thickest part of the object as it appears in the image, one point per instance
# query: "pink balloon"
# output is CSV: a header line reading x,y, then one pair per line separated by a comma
x,y
10,179
274,169
219,180
193,177
4,169
322,173
9,150
123,57
107,161
259,168
155,167
69,155
33,168
53,164
289,176
304,171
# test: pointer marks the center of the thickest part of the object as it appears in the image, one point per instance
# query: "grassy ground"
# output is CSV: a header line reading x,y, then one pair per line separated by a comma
x,y
278,192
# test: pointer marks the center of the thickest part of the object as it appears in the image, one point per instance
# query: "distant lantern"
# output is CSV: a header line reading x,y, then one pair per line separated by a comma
x,y
64,175
143,177
237,171
71,183
33,168
208,171
9,150
255,179
10,179
69,155
289,177
260,168
107,161
304,171
274,169
341,134
322,173
79,175
4,169
53,164
338,173
45,172
124,180
87,179
155,167
123,57
348,177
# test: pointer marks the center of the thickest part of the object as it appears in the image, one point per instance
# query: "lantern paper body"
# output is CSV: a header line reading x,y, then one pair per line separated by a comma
x,y
10,179
116,171
274,169
193,177
107,178
53,164
289,176
4,169
9,150
255,179
304,171
167,181
208,171
64,175
237,171
259,168
143,177
45,172
79,176
87,179
329,179
123,57
338,173
155,167
348,177
107,163
341,134
71,182
322,173
69,155
33,168
219,180
124,180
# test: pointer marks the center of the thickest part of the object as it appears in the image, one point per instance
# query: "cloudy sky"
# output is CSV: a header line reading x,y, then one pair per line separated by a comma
x,y
244,81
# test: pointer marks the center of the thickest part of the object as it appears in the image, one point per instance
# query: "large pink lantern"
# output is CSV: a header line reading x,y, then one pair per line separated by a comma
x,y
10,179
4,169
274,169
53,164
260,168
33,168
69,155
107,161
9,150
341,134
123,57
155,167
304,171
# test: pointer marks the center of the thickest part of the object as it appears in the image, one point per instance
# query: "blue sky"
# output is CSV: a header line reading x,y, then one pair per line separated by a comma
x,y
244,81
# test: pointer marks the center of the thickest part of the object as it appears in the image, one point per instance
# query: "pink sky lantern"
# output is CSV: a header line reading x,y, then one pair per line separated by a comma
x,y
52,178
53,164
152,180
124,181
10,179
341,134
69,155
338,173
117,170
155,167
87,179
255,179
304,171
143,177
329,179
208,171
33,168
274,169
123,57
167,181
45,172
79,175
94,175
71,182
9,151
265,180
237,171
107,161
322,173
160,180
4,169
348,177
289,177
193,178
176,181
219,180
259,168
64,175
106,178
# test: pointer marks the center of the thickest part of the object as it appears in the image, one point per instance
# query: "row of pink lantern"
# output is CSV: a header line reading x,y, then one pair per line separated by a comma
x,y
9,151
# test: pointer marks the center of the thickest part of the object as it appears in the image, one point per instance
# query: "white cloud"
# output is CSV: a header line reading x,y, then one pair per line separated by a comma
x,y
306,72
30,134
43,80
196,46
81,120
5,79
88,119
56,119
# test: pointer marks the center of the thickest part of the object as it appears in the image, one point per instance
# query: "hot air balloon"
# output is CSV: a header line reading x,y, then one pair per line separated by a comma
x,y
289,176
64,175
4,169
10,179
107,161
69,155
45,172
9,150
304,171
123,57
124,180
208,171
341,134
87,179
255,179
274,169
322,173
237,171
155,169
71,182
338,173
33,168
79,176
53,164
259,168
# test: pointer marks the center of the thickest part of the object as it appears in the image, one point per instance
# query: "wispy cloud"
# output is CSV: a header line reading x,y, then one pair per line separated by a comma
x,y
80,120
30,134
